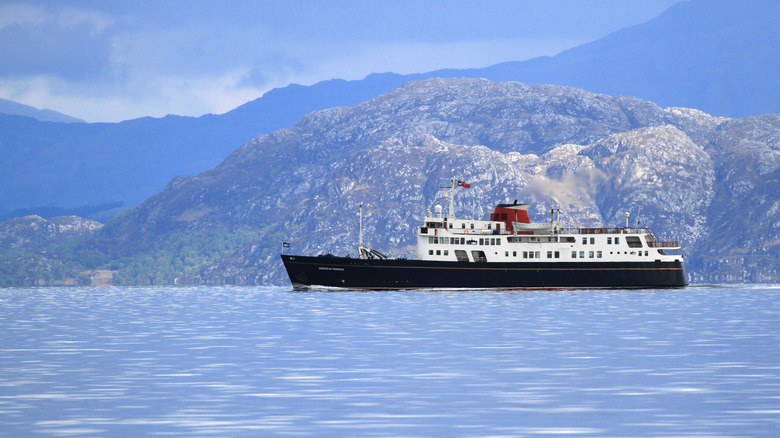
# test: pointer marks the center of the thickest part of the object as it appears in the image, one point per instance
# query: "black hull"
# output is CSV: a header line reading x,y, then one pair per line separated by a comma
x,y
341,272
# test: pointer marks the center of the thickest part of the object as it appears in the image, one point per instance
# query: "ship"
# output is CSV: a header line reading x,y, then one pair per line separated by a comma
x,y
506,252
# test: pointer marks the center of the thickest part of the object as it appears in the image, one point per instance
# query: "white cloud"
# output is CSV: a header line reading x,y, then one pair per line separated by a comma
x,y
22,14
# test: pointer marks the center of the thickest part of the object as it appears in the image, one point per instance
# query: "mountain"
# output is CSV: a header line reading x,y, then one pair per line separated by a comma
x,y
717,56
44,115
711,182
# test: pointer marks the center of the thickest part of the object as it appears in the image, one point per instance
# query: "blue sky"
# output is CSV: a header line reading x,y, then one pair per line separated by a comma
x,y
116,60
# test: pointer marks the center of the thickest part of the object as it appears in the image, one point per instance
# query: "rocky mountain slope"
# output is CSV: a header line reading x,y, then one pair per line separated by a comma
x,y
35,251
711,182
716,55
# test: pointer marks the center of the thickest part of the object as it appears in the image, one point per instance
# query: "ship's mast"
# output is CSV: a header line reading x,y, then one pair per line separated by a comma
x,y
452,198
360,239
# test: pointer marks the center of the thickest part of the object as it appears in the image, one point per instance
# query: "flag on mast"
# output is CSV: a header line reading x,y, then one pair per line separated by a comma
x,y
464,184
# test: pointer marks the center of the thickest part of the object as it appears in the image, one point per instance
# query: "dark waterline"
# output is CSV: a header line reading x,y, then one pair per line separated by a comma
x,y
698,361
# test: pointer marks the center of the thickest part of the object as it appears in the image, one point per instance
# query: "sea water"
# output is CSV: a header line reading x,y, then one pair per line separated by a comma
x,y
242,361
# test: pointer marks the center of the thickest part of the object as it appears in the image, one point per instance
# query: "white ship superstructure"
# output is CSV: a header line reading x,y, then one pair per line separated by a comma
x,y
511,237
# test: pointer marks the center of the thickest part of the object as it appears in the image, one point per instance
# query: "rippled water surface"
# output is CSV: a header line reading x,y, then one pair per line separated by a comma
x,y
699,361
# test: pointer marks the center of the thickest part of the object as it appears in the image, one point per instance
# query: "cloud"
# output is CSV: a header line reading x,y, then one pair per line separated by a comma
x,y
63,42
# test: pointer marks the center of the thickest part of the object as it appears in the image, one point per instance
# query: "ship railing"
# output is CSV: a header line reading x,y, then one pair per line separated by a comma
x,y
663,243
608,230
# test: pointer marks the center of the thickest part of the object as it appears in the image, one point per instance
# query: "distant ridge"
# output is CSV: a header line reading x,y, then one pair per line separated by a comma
x,y
718,56
43,115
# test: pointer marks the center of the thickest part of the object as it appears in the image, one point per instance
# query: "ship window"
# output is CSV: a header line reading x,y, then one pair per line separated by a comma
x,y
430,239
450,224
436,240
557,254
463,225
633,242
598,254
461,255
592,240
446,252
609,241
574,254
430,252
438,252
537,255
479,256
590,254
584,240
646,253
525,254
489,226
617,240
506,253
472,226
481,241
582,254
549,254
530,254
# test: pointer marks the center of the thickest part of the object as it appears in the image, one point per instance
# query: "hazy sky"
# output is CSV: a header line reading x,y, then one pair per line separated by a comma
x,y
115,60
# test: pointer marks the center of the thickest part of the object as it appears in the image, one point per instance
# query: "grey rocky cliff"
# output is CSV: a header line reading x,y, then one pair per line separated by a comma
x,y
595,156
33,231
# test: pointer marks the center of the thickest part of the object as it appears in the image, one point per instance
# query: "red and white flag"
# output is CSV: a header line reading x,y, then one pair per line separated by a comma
x,y
464,184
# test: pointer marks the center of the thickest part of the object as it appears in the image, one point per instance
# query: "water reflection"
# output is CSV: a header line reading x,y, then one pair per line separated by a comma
x,y
252,361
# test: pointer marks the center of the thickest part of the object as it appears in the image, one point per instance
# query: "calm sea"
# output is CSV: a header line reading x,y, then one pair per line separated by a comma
x,y
225,361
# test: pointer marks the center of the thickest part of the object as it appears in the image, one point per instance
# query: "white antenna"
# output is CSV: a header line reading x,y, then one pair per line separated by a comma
x,y
452,199
627,214
360,212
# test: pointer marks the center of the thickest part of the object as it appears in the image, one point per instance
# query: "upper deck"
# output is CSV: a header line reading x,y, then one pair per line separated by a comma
x,y
514,238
